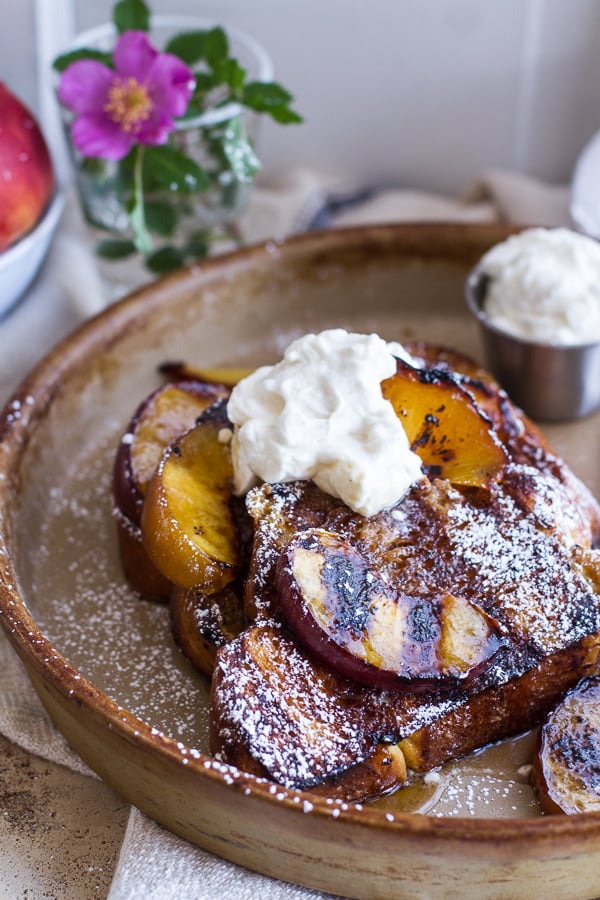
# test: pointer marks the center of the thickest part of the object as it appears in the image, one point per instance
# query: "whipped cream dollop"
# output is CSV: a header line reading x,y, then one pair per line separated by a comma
x,y
545,286
319,414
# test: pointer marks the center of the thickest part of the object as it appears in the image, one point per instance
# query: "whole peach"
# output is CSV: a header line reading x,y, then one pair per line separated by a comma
x,y
26,170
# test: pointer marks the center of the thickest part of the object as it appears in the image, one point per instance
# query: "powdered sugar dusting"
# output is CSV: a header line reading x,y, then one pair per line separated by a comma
x,y
120,643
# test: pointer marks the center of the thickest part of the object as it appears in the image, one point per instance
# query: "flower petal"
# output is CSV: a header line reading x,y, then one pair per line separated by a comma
x,y
156,129
98,136
134,55
171,84
84,86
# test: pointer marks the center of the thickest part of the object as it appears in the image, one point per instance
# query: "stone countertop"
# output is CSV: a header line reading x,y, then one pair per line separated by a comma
x,y
60,832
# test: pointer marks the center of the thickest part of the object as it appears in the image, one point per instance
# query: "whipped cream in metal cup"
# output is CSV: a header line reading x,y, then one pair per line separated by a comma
x,y
549,381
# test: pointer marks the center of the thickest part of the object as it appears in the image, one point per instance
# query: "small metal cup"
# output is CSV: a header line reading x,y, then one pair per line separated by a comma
x,y
548,381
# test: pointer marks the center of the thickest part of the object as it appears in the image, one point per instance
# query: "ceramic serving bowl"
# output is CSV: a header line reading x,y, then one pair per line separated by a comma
x,y
103,662
20,263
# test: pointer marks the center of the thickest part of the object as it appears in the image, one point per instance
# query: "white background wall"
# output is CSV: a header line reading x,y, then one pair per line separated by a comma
x,y
425,93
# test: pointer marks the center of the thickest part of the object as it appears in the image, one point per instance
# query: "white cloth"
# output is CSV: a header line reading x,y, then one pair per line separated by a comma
x,y
157,865
154,864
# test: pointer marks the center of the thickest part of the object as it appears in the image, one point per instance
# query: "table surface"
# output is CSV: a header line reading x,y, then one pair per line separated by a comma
x,y
60,832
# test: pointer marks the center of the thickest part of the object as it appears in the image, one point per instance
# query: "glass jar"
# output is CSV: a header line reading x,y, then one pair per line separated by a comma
x,y
183,226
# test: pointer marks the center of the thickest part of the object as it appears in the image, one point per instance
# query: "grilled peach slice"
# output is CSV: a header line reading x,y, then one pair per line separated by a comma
x,y
489,397
436,356
141,575
161,417
354,621
188,526
218,375
444,426
164,414
566,766
202,623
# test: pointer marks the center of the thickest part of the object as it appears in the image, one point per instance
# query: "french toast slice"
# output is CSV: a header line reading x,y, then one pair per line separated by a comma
x,y
504,711
279,712
203,623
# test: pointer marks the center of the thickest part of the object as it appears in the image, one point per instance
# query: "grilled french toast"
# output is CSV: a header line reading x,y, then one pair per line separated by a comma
x,y
300,721
483,576
514,547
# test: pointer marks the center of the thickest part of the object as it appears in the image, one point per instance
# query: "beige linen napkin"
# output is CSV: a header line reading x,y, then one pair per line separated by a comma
x,y
154,864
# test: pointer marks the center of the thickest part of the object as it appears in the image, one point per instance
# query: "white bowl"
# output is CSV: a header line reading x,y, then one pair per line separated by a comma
x,y
19,264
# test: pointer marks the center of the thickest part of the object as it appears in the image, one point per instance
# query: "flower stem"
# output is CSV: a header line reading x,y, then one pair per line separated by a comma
x,y
141,235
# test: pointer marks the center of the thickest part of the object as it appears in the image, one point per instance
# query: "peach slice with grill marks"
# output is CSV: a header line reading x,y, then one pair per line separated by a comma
x,y
444,425
355,622
202,623
566,765
491,400
161,417
188,525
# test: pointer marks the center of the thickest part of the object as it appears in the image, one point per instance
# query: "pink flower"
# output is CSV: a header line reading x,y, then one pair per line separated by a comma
x,y
134,103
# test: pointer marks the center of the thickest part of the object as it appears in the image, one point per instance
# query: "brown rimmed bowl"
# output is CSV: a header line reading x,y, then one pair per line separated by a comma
x,y
103,662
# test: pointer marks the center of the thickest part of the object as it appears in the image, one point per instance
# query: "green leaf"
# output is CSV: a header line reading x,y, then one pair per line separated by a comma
x,y
238,150
216,46
131,15
171,169
188,46
197,247
161,218
66,59
167,259
115,249
284,115
230,72
205,81
263,95
270,98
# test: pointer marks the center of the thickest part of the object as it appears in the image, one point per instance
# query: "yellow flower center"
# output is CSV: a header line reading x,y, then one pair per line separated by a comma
x,y
128,104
